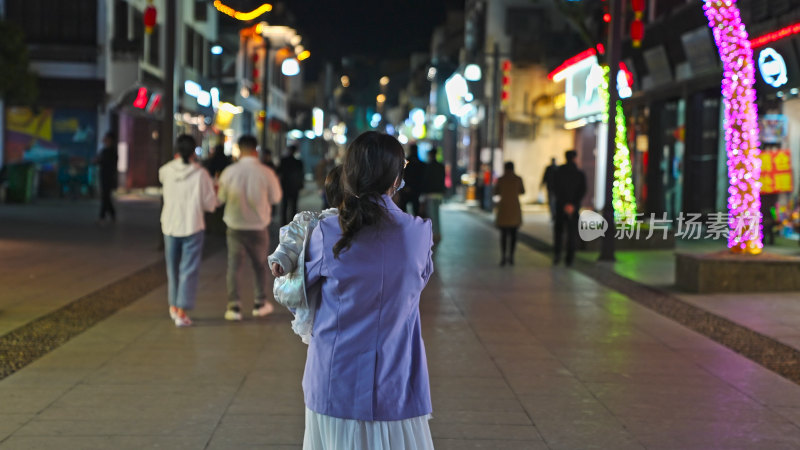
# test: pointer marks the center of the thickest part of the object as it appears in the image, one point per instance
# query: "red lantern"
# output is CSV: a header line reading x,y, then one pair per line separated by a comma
x,y
149,17
637,32
637,5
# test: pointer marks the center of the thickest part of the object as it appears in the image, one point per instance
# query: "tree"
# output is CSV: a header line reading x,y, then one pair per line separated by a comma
x,y
17,82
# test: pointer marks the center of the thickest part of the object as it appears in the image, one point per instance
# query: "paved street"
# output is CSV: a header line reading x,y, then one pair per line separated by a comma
x,y
523,357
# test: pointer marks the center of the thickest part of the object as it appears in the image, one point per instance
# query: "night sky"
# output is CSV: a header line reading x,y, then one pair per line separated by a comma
x,y
332,29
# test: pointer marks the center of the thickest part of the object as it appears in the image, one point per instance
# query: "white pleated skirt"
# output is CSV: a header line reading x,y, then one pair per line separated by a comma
x,y
332,433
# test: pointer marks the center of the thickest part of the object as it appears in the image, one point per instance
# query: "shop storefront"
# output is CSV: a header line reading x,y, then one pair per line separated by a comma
x,y
137,117
778,89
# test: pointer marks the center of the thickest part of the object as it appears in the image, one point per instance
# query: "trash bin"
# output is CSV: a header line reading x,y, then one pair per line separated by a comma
x,y
20,187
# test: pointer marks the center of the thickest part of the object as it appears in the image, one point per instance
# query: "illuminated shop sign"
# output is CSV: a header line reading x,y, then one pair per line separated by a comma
x,y
146,100
204,98
772,67
583,81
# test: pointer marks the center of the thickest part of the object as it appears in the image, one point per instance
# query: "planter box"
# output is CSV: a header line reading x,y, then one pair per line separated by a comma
x,y
728,272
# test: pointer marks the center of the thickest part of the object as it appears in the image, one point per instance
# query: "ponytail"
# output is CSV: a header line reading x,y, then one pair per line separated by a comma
x,y
355,214
372,164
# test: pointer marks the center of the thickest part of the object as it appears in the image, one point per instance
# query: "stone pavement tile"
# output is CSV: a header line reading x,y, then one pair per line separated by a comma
x,y
765,387
715,432
483,431
19,399
258,430
477,418
792,414
104,442
134,401
9,423
478,444
145,425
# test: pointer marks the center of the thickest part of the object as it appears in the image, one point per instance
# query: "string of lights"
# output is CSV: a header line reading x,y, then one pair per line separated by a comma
x,y
622,197
741,125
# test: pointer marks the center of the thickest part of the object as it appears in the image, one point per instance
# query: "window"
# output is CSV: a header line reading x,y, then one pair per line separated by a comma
x,y
121,20
189,47
48,22
155,47
200,48
200,10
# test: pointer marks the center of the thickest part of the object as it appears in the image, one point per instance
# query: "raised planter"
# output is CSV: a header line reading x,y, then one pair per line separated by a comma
x,y
728,272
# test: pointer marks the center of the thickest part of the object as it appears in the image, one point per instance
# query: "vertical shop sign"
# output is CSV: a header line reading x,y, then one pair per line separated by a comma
x,y
776,171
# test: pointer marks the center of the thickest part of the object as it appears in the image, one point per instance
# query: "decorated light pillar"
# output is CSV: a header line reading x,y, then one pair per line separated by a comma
x,y
741,126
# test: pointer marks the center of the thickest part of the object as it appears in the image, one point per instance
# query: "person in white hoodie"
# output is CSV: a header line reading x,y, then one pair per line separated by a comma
x,y
188,191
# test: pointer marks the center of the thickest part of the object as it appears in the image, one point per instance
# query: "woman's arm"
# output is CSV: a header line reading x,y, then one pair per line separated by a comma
x,y
315,263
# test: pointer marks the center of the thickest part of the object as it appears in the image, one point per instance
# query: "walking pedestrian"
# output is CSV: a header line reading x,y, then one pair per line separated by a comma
x,y
433,188
217,162
413,182
549,182
292,176
107,164
249,189
366,378
570,189
187,191
509,212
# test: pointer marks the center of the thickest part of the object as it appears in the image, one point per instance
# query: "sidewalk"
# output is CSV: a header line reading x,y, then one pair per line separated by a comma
x,y
775,315
523,357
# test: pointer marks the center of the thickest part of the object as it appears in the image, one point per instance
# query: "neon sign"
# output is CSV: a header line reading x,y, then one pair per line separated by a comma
x,y
772,67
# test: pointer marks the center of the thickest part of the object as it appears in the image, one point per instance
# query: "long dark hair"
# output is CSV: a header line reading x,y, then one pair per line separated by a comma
x,y
186,146
372,164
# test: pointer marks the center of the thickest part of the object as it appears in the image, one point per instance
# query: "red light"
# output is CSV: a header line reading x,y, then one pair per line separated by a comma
x,y
141,98
506,65
506,80
572,61
606,17
505,95
775,35
601,49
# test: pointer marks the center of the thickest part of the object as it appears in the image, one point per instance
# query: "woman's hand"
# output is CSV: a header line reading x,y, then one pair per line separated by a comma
x,y
277,270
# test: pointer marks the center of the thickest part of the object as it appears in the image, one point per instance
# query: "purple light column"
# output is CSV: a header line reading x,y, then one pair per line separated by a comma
x,y
741,125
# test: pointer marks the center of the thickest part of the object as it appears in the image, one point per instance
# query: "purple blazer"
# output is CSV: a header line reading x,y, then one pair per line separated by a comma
x,y
367,359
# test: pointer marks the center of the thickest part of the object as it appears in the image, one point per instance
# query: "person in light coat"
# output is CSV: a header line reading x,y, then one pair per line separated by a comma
x,y
249,189
188,192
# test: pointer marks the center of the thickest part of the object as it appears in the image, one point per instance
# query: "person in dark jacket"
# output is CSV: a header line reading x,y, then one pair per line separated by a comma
x,y
413,176
292,175
433,187
570,187
217,162
549,182
107,163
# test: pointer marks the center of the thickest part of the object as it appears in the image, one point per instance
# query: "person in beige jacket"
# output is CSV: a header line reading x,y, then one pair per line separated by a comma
x,y
509,213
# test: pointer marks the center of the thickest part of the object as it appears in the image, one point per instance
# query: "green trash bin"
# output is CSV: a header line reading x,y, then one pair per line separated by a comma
x,y
20,182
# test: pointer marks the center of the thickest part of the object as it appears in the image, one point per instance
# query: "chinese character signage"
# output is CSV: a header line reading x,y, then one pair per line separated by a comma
x,y
776,171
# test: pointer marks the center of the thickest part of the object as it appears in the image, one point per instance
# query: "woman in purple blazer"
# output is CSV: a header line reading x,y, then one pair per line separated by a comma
x,y
366,376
